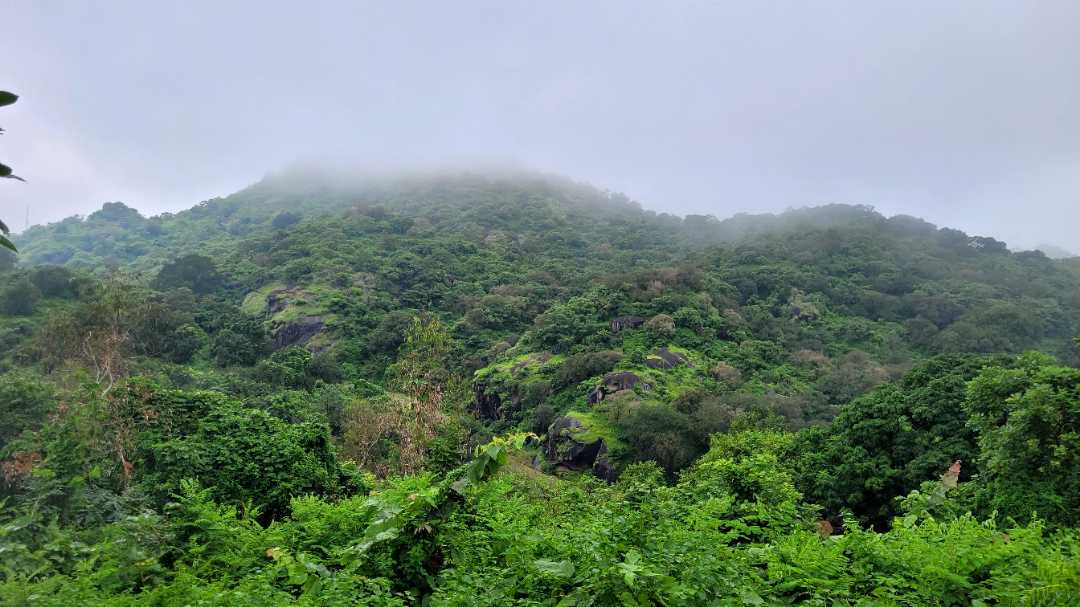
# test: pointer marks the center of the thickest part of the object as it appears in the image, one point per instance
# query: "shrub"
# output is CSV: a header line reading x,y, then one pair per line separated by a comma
x,y
195,272
662,434
20,298
579,367
54,281
245,456
660,327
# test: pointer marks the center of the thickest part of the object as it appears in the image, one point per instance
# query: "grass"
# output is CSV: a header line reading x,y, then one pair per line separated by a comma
x,y
254,303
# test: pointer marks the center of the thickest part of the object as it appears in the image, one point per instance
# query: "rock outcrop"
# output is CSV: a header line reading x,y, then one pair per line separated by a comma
x,y
487,404
662,358
298,332
277,300
616,382
626,322
571,446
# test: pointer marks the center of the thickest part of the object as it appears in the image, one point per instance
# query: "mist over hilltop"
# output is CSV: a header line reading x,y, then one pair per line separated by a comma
x,y
962,113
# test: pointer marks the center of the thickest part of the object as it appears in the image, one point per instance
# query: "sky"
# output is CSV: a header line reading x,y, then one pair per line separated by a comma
x,y
966,112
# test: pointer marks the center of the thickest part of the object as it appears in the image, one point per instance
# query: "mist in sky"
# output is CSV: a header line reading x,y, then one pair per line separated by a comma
x,y
966,113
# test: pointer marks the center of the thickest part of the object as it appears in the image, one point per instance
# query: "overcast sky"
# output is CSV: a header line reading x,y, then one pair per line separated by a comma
x,y
966,113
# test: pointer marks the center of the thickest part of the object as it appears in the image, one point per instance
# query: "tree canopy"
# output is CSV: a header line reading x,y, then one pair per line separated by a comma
x,y
470,389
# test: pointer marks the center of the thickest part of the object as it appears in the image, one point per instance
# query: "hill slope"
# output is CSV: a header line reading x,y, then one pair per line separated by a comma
x,y
277,397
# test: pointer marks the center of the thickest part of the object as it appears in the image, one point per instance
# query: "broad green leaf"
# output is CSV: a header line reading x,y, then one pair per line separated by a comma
x,y
7,98
559,569
7,244
751,598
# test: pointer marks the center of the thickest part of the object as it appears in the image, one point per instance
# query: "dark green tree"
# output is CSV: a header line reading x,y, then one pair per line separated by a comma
x,y
285,220
195,272
19,298
24,402
1028,420
241,341
887,442
246,456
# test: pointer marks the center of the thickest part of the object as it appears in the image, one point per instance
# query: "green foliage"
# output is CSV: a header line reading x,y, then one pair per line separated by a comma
x,y
284,220
773,385
886,443
662,434
24,402
579,367
19,298
7,98
1028,421
245,457
563,326
291,368
238,341
55,281
195,272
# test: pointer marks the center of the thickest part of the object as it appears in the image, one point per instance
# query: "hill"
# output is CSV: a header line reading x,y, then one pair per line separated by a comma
x,y
745,383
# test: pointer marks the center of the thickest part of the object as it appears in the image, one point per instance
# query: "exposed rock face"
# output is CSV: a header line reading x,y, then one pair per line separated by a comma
x,y
565,448
491,405
626,322
276,300
622,380
297,332
663,358
616,382
500,395
602,467
486,405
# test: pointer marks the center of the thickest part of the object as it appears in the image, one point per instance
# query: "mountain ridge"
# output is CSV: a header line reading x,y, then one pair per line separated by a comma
x,y
307,193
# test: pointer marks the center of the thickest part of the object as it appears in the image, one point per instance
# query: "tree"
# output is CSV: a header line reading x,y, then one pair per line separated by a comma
x,y
285,220
241,341
421,374
660,327
55,281
195,272
662,434
24,402
19,298
244,455
885,443
1028,419
7,98
564,325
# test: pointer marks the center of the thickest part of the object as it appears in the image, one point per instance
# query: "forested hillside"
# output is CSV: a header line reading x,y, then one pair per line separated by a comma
x,y
515,389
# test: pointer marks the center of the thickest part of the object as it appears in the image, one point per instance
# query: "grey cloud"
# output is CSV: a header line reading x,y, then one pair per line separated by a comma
x,y
960,112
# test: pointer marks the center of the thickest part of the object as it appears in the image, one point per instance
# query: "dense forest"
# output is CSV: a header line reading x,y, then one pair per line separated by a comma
x,y
515,389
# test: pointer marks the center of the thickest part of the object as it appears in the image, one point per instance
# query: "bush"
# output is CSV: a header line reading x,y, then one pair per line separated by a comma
x,y
661,434
660,327
1028,420
240,342
195,272
245,456
54,281
186,341
19,298
579,367
24,401
285,220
